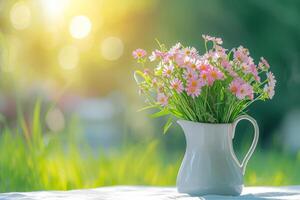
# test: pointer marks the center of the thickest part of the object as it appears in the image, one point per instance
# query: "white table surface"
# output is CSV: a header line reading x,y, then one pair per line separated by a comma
x,y
147,193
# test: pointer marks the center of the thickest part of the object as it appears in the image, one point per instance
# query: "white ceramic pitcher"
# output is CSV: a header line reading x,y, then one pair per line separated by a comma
x,y
210,165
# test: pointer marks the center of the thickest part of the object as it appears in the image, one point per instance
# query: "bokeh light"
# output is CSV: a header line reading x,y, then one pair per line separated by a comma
x,y
54,8
80,27
20,15
55,120
68,57
112,48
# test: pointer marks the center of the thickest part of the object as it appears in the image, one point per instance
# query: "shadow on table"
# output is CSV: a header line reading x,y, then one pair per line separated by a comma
x,y
257,196
11,196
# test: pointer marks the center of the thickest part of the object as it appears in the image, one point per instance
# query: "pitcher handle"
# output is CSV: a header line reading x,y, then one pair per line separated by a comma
x,y
254,142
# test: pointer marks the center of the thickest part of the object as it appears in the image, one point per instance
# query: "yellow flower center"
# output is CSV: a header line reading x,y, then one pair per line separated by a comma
x,y
214,74
203,67
194,83
234,89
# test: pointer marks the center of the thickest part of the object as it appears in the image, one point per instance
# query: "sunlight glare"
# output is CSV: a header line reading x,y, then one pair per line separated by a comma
x,y
112,48
20,15
54,8
68,57
80,27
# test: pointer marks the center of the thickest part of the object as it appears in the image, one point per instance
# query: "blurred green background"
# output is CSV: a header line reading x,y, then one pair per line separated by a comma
x,y
68,101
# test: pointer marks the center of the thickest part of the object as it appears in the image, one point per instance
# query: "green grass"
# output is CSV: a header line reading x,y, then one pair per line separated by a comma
x,y
30,160
59,167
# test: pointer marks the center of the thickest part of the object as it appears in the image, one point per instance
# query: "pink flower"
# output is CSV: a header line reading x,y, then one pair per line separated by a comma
x,y
271,79
246,69
212,55
156,54
241,89
175,49
139,53
168,70
251,69
263,64
254,72
217,53
194,82
235,86
213,75
190,74
232,73
269,88
245,90
168,57
207,37
221,51
162,99
213,39
179,59
228,67
177,85
190,51
204,75
193,91
203,67
185,61
192,63
218,41
194,87
216,74
241,55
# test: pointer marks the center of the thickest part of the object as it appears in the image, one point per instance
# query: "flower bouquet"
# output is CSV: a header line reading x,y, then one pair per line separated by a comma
x,y
209,93
215,87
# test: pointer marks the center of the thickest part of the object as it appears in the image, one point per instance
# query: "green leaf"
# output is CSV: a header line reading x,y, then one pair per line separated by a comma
x,y
160,113
138,74
147,107
36,124
167,125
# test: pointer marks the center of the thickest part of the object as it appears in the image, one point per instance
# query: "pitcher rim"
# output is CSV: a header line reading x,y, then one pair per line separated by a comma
x,y
213,124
